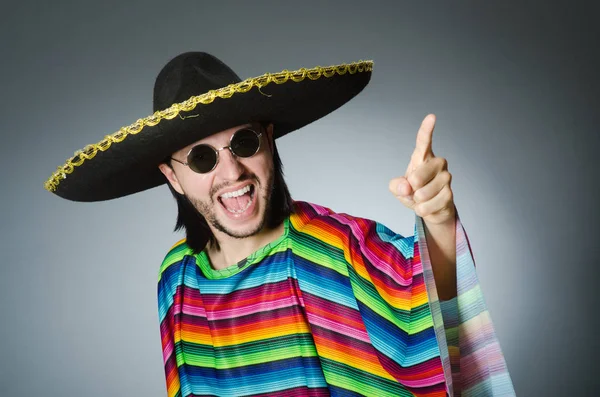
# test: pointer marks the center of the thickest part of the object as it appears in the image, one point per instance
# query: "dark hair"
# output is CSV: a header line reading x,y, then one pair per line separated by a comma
x,y
198,234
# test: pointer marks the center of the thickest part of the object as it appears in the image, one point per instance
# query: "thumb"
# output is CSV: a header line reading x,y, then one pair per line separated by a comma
x,y
401,188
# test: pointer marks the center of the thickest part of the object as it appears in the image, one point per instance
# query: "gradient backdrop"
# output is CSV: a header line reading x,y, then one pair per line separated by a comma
x,y
515,90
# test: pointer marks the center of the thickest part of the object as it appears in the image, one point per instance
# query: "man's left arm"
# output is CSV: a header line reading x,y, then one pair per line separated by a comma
x,y
425,188
476,362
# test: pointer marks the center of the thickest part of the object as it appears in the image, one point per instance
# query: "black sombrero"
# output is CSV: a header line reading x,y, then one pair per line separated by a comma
x,y
196,95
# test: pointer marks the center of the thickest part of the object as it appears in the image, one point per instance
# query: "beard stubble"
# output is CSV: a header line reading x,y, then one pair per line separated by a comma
x,y
206,209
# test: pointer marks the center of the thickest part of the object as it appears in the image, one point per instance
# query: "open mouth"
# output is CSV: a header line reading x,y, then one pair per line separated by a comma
x,y
239,201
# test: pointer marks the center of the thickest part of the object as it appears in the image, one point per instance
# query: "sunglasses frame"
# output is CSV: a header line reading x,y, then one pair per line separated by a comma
x,y
187,163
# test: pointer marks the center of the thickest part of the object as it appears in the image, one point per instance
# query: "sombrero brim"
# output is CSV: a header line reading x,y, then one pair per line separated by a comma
x,y
126,162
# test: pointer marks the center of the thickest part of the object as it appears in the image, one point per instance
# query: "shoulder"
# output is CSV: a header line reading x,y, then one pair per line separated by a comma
x,y
175,255
310,215
318,220
306,213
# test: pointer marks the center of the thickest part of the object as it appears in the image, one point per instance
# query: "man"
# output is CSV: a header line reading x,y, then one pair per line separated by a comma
x,y
271,296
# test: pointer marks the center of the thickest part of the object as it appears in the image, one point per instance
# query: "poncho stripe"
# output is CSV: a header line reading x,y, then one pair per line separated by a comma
x,y
337,306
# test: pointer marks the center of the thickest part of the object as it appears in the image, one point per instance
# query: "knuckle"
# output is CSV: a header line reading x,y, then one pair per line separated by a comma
x,y
443,163
447,177
448,194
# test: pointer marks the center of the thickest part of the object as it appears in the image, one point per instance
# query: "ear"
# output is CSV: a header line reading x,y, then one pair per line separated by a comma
x,y
169,173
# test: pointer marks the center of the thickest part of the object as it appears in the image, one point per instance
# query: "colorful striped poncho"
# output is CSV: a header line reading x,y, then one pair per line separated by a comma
x,y
338,305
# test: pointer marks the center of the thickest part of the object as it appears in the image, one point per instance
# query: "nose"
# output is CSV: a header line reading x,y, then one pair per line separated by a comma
x,y
229,166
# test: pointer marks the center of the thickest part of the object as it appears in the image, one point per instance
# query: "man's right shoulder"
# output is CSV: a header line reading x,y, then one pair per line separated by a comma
x,y
175,255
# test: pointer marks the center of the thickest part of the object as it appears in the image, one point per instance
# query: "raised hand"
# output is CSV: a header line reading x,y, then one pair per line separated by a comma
x,y
425,187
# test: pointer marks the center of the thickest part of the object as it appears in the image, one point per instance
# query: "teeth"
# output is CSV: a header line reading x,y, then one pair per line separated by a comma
x,y
236,193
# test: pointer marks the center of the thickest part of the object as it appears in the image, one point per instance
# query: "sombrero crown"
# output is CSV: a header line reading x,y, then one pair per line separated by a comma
x,y
196,95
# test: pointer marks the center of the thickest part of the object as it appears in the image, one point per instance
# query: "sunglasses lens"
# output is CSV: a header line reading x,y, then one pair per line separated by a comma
x,y
202,159
245,143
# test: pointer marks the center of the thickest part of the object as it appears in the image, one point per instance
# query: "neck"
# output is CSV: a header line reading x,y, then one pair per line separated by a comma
x,y
232,250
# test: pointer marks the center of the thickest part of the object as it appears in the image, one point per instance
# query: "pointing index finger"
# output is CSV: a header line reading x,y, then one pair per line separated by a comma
x,y
423,149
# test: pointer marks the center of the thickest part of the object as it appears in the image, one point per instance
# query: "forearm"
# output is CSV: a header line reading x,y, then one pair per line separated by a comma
x,y
441,243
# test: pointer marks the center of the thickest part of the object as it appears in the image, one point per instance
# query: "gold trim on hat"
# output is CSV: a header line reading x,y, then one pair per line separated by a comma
x,y
90,151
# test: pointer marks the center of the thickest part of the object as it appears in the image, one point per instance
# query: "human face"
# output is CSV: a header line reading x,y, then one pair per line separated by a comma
x,y
234,197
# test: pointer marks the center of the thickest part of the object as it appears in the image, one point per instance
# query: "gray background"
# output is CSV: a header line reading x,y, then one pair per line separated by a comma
x,y
514,87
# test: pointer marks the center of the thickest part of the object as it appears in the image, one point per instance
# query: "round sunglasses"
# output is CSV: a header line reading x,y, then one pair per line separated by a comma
x,y
204,158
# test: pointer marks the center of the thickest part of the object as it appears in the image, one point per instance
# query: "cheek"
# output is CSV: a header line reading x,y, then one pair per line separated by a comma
x,y
264,170
196,185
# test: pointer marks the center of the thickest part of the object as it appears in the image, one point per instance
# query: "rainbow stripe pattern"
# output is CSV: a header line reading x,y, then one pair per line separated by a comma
x,y
337,306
